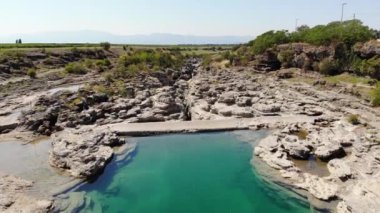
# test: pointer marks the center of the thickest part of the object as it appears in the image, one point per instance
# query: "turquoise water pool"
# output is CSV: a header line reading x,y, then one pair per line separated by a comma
x,y
208,172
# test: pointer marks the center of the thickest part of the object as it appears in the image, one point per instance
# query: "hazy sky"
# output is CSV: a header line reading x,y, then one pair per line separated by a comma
x,y
197,17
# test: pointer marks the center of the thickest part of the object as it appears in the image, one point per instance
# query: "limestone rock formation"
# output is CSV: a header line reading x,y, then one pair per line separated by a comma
x,y
13,197
84,153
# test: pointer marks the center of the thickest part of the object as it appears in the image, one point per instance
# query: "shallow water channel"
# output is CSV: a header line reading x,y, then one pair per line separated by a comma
x,y
30,162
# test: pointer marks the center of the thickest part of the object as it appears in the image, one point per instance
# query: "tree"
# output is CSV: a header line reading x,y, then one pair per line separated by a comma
x,y
105,45
377,34
303,28
348,32
269,40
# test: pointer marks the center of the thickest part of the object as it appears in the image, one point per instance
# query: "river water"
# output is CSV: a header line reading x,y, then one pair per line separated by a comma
x,y
208,172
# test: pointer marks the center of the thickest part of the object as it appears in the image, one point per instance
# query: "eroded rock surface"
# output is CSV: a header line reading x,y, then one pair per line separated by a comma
x,y
84,153
192,93
350,175
14,197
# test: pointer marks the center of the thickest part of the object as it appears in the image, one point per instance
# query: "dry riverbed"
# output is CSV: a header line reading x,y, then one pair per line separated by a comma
x,y
307,125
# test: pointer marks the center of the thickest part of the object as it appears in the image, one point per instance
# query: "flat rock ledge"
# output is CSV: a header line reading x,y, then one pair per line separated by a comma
x,y
84,153
352,160
154,128
13,197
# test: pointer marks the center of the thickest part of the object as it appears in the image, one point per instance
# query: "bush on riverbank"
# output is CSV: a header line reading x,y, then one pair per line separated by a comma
x,y
100,65
75,68
349,32
130,65
329,66
115,87
32,73
286,58
269,40
147,60
376,96
330,49
370,67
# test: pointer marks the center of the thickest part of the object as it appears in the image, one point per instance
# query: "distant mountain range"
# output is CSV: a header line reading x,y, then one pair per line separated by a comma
x,y
98,36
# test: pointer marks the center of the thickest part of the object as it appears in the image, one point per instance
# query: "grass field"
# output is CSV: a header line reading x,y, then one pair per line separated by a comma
x,y
186,49
363,85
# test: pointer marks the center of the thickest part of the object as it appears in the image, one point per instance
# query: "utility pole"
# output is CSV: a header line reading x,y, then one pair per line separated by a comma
x,y
354,16
341,19
296,24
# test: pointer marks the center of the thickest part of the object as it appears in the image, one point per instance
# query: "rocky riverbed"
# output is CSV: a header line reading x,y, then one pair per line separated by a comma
x,y
306,122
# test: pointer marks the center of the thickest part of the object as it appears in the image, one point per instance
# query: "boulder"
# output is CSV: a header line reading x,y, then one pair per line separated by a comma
x,y
83,154
9,122
313,111
319,187
270,151
277,160
329,151
368,49
270,143
285,74
244,101
267,61
227,112
267,108
242,112
228,98
296,148
165,101
339,168
150,116
133,112
43,122
99,97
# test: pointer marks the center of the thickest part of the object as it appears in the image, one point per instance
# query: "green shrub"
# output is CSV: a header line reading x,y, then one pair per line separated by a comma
x,y
111,88
105,45
329,66
133,69
370,67
88,63
349,32
206,60
119,88
375,94
353,119
146,60
99,88
32,73
108,76
75,68
103,63
269,40
286,58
